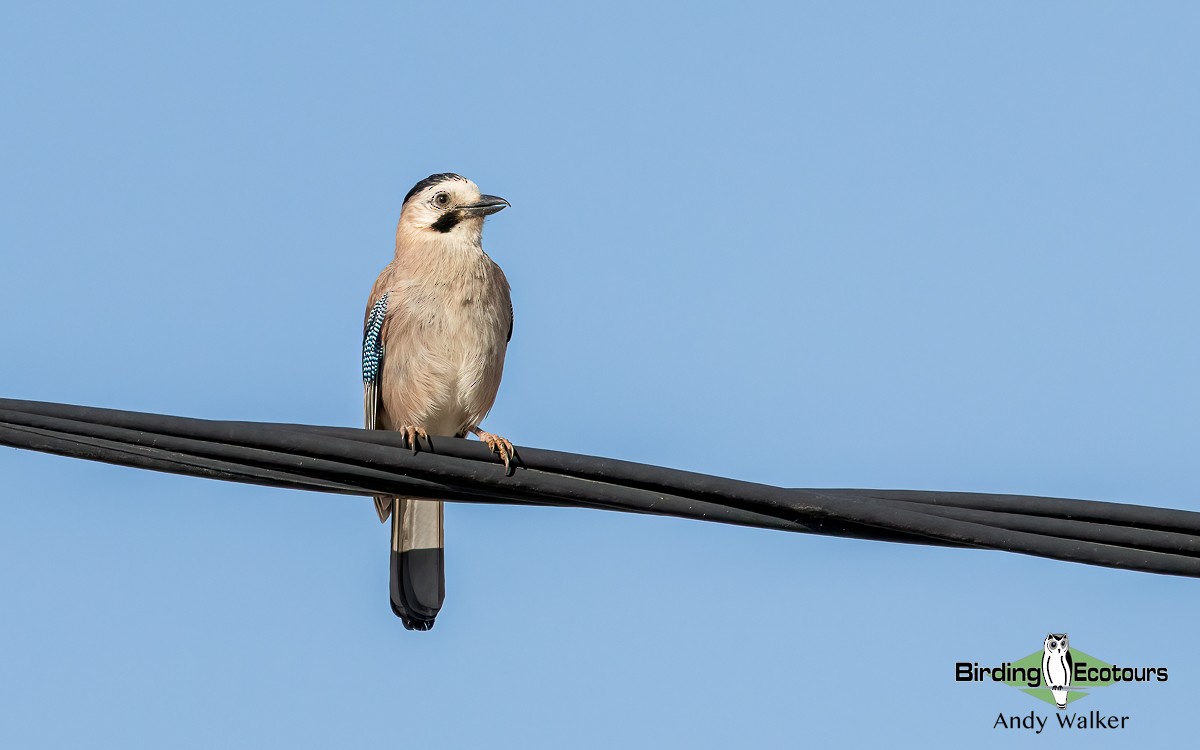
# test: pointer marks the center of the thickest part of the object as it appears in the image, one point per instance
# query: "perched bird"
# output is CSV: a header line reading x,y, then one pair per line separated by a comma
x,y
437,326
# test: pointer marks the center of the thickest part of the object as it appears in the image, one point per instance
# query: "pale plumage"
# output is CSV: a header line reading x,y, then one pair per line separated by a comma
x,y
443,339
448,324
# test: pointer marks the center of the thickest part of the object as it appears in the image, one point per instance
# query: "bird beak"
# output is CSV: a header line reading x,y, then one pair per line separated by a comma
x,y
486,205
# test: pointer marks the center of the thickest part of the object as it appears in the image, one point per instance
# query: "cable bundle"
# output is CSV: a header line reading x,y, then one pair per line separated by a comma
x,y
368,462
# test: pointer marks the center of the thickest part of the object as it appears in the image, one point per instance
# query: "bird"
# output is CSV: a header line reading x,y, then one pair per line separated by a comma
x,y
436,330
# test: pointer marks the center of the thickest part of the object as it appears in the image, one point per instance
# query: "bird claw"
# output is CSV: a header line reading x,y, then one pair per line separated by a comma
x,y
411,435
499,445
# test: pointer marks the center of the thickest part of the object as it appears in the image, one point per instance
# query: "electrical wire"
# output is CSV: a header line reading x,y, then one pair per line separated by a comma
x,y
351,461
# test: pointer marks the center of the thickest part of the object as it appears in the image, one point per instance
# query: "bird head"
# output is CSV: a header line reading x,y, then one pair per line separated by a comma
x,y
446,204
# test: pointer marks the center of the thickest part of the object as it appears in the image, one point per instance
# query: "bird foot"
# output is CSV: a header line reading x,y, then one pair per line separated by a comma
x,y
411,435
498,445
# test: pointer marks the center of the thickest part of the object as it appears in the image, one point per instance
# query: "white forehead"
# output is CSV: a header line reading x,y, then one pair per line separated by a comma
x,y
420,210
458,187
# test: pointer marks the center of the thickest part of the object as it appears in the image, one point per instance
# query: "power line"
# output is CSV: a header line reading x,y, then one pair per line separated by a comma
x,y
371,462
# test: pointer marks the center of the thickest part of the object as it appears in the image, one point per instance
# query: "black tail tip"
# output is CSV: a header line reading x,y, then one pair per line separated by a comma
x,y
412,622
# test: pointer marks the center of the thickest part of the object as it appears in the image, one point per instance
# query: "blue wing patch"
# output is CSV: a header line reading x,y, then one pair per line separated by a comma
x,y
372,346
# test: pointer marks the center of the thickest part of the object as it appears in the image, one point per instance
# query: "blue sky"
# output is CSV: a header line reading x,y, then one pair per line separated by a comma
x,y
931,246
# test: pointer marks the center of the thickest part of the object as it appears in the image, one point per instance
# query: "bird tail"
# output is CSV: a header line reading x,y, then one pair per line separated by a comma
x,y
418,564
383,506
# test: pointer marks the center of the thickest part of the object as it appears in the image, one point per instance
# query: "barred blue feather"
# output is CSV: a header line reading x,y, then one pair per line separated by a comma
x,y
372,346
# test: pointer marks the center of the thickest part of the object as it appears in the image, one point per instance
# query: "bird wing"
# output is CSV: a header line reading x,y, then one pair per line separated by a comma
x,y
372,356
372,372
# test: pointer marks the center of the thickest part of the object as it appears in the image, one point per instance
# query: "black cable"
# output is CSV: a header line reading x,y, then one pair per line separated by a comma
x,y
361,462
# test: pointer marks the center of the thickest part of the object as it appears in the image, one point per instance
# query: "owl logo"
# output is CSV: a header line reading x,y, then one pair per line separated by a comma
x,y
1057,667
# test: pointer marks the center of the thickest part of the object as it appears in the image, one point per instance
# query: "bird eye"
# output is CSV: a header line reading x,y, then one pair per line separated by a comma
x,y
442,199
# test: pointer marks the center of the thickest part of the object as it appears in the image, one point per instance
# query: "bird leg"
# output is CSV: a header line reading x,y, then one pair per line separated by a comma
x,y
411,435
498,445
